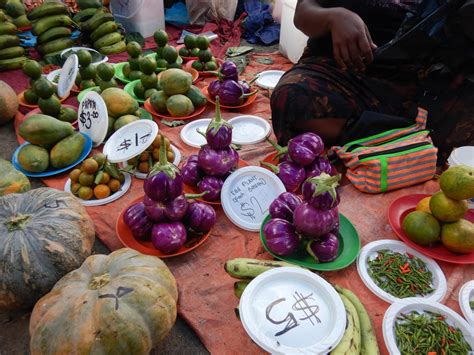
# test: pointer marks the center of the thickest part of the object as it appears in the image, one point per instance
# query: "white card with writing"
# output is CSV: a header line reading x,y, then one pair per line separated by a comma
x,y
93,117
247,194
68,74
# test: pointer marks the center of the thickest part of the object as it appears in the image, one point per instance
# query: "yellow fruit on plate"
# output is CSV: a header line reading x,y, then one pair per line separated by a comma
x,y
458,237
101,191
114,185
458,182
424,205
446,209
421,227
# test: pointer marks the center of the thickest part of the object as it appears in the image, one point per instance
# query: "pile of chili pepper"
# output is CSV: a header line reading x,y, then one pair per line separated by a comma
x,y
401,275
428,334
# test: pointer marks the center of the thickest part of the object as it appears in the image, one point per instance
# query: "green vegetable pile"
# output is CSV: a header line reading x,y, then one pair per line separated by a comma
x,y
425,333
401,275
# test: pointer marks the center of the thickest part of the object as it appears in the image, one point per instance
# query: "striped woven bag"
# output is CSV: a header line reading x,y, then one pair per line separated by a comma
x,y
391,160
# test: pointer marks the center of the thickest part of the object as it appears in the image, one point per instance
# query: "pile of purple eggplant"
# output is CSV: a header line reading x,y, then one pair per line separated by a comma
x,y
311,223
207,170
228,88
165,216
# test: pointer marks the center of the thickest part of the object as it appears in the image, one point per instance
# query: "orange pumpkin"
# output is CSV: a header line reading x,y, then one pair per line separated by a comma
x,y
123,303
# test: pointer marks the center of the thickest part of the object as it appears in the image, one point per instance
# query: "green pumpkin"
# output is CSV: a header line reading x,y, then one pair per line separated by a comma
x,y
45,233
122,303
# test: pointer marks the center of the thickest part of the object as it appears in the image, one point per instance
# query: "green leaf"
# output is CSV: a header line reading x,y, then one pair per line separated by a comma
x,y
236,51
265,60
173,123
135,37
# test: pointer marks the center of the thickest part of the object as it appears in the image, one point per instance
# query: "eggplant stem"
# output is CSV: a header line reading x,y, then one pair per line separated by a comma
x,y
325,183
281,150
249,94
194,196
201,133
310,252
272,167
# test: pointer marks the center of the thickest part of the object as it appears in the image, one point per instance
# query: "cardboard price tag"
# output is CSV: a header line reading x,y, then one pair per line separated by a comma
x,y
93,117
68,74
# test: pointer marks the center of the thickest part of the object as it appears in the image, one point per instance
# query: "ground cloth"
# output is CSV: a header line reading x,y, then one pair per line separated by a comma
x,y
206,299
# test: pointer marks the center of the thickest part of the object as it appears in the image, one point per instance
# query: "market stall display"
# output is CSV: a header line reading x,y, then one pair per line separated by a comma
x,y
12,55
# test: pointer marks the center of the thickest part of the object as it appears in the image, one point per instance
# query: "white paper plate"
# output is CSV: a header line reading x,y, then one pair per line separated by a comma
x,y
125,187
369,251
269,79
189,134
466,294
93,118
408,305
130,140
67,78
285,293
52,75
176,161
247,194
248,129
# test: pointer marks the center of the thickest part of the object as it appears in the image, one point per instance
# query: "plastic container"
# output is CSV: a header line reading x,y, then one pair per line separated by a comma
x,y
292,40
144,16
463,156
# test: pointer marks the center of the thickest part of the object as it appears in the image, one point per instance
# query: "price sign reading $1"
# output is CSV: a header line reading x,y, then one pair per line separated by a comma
x,y
93,117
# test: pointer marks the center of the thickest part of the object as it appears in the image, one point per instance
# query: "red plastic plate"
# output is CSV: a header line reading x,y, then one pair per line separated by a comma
x,y
150,109
246,103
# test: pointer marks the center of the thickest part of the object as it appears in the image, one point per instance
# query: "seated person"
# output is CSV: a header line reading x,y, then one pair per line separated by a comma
x,y
339,76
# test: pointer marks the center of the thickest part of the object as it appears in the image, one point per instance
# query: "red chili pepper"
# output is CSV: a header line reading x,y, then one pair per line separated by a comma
x,y
410,256
443,342
440,318
432,353
452,330
405,269
443,352
386,263
399,280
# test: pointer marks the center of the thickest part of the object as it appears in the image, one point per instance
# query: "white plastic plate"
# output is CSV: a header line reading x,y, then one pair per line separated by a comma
x,y
269,79
52,75
130,140
408,305
189,134
92,116
115,196
369,252
68,74
466,294
248,129
291,310
247,194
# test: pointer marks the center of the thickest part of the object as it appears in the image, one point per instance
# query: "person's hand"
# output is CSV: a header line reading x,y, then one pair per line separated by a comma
x,y
351,40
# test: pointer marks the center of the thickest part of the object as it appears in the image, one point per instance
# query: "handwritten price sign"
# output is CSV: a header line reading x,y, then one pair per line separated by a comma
x,y
247,195
93,117
68,74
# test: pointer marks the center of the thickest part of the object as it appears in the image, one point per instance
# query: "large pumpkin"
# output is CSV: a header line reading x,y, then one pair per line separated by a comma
x,y
8,103
123,303
44,234
11,180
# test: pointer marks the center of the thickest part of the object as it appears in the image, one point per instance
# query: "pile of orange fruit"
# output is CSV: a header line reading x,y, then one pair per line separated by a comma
x,y
145,161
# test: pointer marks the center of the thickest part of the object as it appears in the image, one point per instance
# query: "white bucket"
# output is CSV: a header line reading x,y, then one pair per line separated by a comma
x,y
144,16
292,40
463,156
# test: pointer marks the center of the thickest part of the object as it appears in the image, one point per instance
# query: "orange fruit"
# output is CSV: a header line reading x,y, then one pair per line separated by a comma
x,y
74,175
75,186
446,209
114,185
105,178
157,141
170,156
156,154
458,237
421,227
458,182
101,191
144,167
85,193
424,205
90,166
144,156
86,179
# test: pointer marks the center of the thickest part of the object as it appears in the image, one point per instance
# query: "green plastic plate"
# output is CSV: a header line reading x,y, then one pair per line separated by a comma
x,y
129,90
84,92
119,72
158,70
349,246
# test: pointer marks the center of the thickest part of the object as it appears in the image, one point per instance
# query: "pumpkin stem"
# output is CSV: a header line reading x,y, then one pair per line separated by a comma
x,y
17,223
99,281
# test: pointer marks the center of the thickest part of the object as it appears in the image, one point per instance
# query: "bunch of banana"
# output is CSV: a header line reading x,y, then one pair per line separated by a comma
x,y
99,28
358,338
12,55
52,26
16,10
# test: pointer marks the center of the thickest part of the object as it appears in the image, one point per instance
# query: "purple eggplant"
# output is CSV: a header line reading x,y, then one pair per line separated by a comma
x,y
246,85
324,249
172,210
291,174
191,172
228,71
168,237
164,182
155,210
303,149
212,186
335,229
284,206
137,220
217,162
320,165
321,191
200,217
313,223
213,88
231,93
281,237
219,131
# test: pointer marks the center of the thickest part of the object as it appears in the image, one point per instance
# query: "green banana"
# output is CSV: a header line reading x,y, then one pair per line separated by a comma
x,y
9,41
243,268
47,9
118,47
102,30
12,52
21,21
369,344
237,311
95,21
7,28
84,15
239,287
55,46
53,33
351,340
108,40
45,23
11,64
